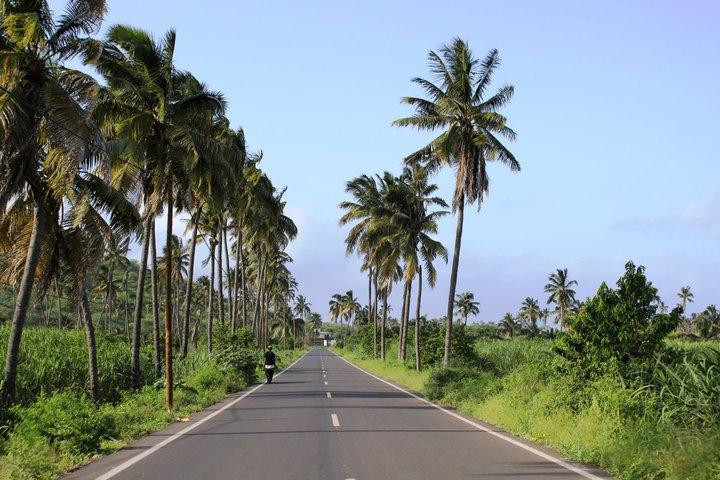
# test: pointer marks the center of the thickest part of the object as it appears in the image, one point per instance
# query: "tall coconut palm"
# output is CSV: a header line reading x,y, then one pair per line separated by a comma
x,y
465,305
315,320
335,305
530,313
302,307
508,324
41,108
471,125
148,101
686,296
561,293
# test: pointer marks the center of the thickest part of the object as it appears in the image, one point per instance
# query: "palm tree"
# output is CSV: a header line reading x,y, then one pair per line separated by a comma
x,y
41,111
686,296
561,293
530,312
465,305
350,306
336,306
149,101
509,325
471,124
315,320
302,307
544,315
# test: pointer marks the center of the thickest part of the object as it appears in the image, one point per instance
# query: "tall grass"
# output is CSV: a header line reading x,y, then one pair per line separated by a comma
x,y
53,360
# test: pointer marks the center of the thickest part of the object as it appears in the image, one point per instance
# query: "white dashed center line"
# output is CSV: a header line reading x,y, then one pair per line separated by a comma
x,y
335,421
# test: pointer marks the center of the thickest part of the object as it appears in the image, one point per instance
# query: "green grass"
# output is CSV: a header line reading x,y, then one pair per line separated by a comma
x,y
603,423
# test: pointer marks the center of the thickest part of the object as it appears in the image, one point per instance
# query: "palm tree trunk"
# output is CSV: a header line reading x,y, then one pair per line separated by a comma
x,y
209,323
369,308
58,303
126,282
402,322
109,300
375,318
417,321
168,300
453,280
188,289
382,325
155,304
405,322
91,346
241,268
231,305
221,299
139,297
23,301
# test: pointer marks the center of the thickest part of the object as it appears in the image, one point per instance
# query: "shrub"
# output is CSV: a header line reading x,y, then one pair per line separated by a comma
x,y
462,351
617,330
362,340
67,420
453,385
242,361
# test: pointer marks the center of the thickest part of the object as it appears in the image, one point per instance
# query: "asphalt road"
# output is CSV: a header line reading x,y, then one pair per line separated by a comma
x,y
324,418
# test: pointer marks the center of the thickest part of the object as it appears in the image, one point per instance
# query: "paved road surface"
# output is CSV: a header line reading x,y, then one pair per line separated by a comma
x,y
323,418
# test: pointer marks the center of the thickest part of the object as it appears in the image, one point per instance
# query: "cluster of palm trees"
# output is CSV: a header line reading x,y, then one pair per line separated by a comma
x,y
88,166
560,294
393,217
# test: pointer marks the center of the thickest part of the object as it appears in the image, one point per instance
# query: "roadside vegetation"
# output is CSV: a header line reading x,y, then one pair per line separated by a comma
x,y
624,386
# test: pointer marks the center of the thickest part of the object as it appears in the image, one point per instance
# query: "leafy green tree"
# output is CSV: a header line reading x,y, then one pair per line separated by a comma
x,y
471,125
617,329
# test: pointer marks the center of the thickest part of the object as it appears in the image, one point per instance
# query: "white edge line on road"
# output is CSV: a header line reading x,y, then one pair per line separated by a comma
x,y
335,421
131,461
499,435
328,394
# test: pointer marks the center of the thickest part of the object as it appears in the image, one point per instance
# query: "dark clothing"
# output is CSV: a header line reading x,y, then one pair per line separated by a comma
x,y
269,358
269,362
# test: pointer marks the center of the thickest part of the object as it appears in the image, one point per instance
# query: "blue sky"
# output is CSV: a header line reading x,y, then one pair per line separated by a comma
x,y
616,110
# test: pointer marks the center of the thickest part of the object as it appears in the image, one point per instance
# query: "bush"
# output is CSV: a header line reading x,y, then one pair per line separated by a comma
x,y
362,340
617,330
462,350
241,361
453,385
68,421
